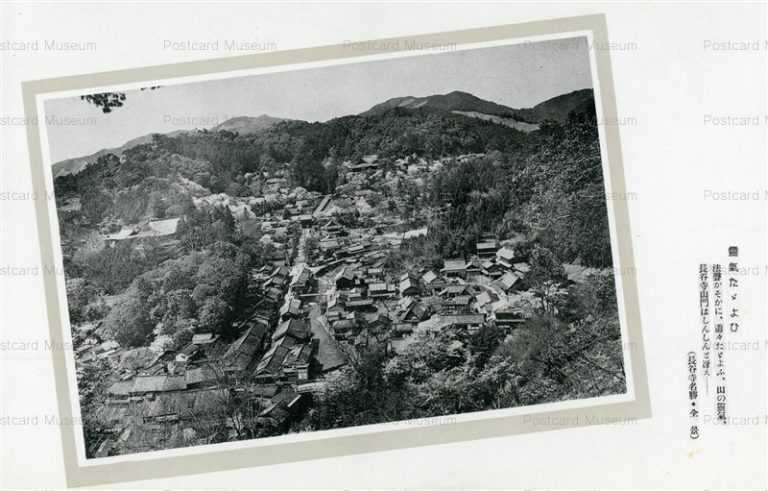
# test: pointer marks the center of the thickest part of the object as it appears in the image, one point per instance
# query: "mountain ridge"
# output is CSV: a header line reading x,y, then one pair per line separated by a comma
x,y
459,102
453,103
246,125
241,124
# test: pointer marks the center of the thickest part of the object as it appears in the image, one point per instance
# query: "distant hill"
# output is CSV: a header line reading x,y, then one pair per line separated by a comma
x,y
454,101
77,164
373,132
557,108
524,119
246,125
243,125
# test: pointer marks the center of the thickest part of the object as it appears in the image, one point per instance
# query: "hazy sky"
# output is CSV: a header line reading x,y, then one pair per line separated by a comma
x,y
516,76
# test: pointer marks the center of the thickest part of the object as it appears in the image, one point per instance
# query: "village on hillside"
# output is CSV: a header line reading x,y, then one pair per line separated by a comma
x,y
328,291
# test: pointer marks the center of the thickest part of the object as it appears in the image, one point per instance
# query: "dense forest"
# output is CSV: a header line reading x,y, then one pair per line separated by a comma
x,y
550,191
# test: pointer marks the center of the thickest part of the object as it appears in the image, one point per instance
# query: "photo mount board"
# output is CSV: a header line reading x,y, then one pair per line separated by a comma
x,y
333,443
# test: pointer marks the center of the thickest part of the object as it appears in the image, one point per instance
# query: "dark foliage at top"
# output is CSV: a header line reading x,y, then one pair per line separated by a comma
x,y
109,100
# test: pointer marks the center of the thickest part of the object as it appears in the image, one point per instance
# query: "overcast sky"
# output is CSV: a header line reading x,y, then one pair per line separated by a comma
x,y
516,76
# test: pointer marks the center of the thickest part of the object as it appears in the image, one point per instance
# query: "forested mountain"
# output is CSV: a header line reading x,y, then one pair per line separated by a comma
x,y
308,146
77,164
398,126
556,109
453,101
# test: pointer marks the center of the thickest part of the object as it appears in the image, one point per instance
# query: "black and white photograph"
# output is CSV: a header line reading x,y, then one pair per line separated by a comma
x,y
383,245
414,238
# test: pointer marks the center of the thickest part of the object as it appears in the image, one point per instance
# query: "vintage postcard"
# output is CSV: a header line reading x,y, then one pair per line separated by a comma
x,y
378,244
